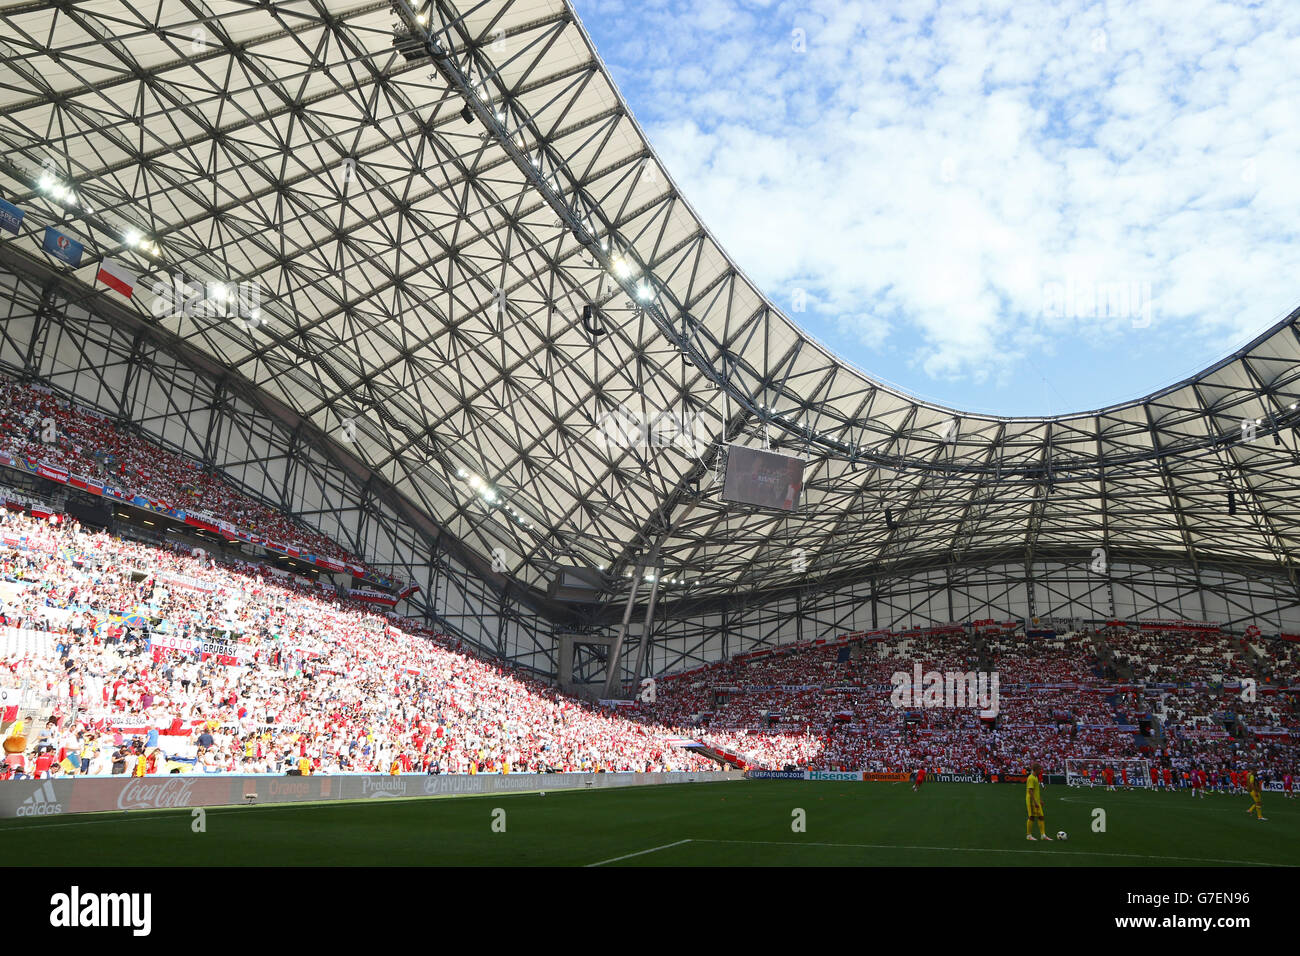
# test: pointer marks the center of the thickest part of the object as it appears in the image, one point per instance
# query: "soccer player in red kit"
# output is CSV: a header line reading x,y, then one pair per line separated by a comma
x,y
1166,778
1154,771
1110,778
920,779
1123,776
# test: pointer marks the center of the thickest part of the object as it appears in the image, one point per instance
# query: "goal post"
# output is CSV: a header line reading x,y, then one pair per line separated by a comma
x,y
1129,771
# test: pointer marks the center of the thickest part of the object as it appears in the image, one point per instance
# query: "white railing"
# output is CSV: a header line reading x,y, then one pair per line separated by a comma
x,y
20,642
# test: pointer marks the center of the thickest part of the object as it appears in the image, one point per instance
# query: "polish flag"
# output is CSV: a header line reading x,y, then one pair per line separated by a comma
x,y
116,277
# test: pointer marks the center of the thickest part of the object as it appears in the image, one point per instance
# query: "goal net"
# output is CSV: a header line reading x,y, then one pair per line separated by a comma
x,y
1091,771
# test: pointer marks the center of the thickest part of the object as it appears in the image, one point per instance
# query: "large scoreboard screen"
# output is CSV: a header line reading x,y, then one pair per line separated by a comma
x,y
766,479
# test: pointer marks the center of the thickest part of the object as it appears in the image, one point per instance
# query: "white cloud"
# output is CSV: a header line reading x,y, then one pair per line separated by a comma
x,y
926,170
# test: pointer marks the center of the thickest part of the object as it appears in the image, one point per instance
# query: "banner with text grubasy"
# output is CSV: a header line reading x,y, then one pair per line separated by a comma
x,y
226,652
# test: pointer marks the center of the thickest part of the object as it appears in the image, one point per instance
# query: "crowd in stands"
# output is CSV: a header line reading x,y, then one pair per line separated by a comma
x,y
1217,663
297,679
84,443
1277,663
1068,658
300,680
1179,656
822,707
105,638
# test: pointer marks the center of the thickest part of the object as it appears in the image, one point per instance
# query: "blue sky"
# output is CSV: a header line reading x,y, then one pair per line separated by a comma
x,y
1022,207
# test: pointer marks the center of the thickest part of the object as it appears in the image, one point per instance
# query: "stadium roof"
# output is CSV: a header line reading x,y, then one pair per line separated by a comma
x,y
426,196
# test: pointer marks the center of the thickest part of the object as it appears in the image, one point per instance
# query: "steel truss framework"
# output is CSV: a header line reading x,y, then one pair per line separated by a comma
x,y
425,198
196,410
1047,589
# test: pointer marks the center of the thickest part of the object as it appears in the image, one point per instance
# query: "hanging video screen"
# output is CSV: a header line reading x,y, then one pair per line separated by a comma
x,y
765,479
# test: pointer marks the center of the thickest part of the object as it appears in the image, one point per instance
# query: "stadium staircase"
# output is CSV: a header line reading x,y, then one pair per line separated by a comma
x,y
728,760
1123,669
1252,658
1106,655
1157,731
1110,666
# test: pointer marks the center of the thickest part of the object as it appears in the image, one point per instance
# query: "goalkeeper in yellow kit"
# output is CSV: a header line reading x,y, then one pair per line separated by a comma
x,y
1034,804
1256,787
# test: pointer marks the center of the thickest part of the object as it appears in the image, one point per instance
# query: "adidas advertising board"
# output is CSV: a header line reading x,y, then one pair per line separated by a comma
x,y
41,802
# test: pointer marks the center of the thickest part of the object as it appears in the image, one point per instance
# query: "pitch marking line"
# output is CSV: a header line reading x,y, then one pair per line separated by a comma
x,y
117,817
653,849
976,849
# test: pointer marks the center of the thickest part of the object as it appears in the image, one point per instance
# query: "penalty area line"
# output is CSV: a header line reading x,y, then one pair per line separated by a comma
x,y
977,849
653,849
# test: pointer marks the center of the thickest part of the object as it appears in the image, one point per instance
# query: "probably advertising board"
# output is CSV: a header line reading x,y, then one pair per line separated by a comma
x,y
840,776
27,798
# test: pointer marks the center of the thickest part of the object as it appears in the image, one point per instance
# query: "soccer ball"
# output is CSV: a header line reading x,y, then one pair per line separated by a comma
x,y
1062,835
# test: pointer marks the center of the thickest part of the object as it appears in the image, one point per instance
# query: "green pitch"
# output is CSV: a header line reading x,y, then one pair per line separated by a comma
x,y
723,824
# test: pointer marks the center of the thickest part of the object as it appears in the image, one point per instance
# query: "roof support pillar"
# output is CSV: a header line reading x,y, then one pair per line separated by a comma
x,y
643,645
613,662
